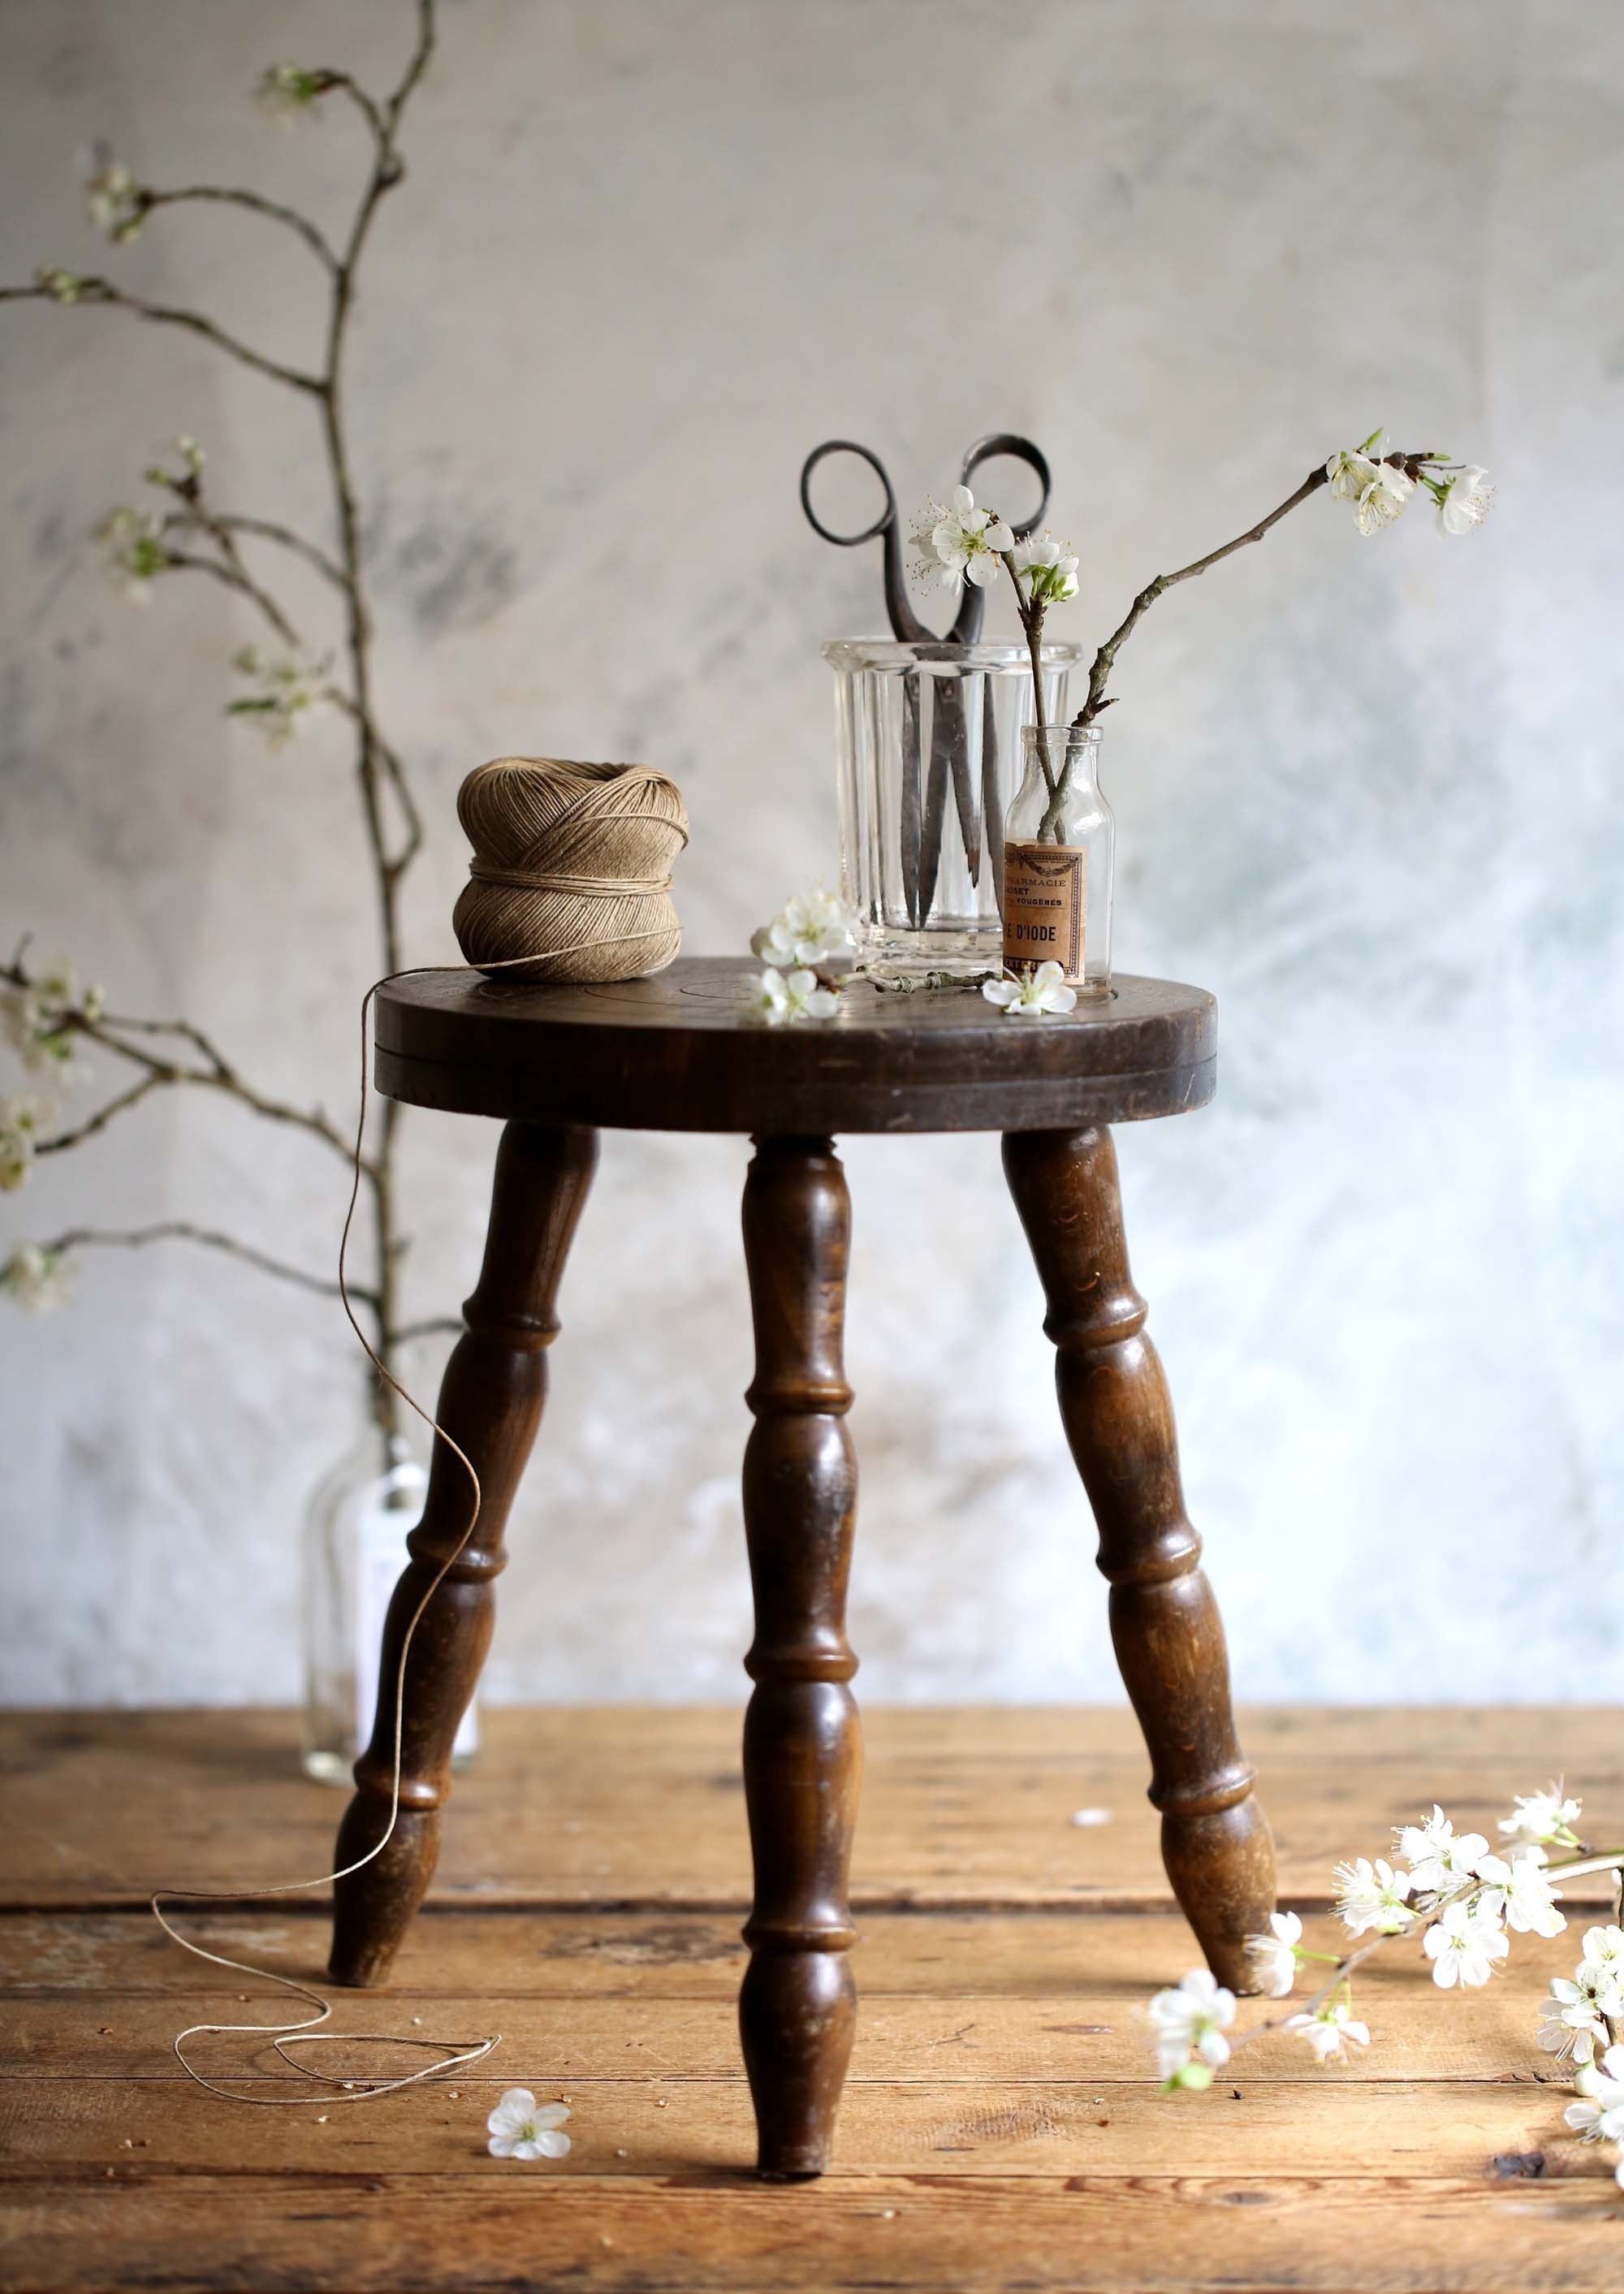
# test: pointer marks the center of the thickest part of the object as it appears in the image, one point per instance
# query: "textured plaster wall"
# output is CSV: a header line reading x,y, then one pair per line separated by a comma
x,y
648,254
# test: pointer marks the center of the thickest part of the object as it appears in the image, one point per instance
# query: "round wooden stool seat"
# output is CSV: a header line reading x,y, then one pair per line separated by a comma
x,y
679,1053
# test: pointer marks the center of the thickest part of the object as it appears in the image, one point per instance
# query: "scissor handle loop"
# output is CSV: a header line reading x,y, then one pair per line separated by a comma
x,y
1018,450
888,516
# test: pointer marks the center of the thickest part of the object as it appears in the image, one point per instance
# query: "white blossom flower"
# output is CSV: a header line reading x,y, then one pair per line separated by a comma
x,y
135,551
20,1014
1519,1893
34,1278
1029,995
1051,574
1598,2117
777,998
287,93
1542,1819
290,691
1463,1946
65,285
1383,499
522,2128
184,483
1574,2017
1350,471
1189,2023
1274,1956
21,1120
1603,1952
1439,1863
1373,1897
35,1022
112,196
805,931
968,541
1463,498
1329,2031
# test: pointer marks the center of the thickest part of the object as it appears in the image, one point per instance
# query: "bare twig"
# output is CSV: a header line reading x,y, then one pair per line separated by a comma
x,y
1105,659
268,529
102,1116
79,1237
217,1073
145,199
234,576
101,291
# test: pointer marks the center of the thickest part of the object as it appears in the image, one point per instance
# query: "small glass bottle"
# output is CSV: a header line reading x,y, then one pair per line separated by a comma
x,y
1059,855
355,1531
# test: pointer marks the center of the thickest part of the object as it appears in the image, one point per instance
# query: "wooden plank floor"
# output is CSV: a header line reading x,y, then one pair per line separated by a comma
x,y
1000,2128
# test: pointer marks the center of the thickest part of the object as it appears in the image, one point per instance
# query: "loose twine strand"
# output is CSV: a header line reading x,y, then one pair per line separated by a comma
x,y
528,819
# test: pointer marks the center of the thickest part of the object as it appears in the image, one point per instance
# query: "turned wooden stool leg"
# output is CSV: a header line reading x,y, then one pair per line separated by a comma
x,y
491,1402
1165,1622
803,1751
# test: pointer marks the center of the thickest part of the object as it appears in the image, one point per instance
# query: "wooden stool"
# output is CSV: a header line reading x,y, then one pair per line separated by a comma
x,y
675,1053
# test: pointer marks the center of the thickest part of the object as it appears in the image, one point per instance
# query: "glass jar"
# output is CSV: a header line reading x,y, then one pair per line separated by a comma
x,y
1058,857
929,741
355,1531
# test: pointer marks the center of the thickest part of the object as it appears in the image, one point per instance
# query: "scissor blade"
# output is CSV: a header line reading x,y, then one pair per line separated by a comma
x,y
992,799
936,805
964,788
909,815
949,755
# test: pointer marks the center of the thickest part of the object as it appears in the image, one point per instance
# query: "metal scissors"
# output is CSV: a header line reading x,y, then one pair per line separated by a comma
x,y
921,826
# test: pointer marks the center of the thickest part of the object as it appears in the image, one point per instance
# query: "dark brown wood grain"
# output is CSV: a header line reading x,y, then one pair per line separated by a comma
x,y
490,1404
1165,1622
677,1053
802,1745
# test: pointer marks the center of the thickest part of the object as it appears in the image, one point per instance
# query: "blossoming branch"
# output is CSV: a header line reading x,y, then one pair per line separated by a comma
x,y
967,543
1461,1900
190,530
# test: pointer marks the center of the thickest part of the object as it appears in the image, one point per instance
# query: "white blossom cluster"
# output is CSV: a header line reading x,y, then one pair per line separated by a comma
x,y
39,1023
38,1020
806,931
22,1117
288,93
1463,1899
1379,490
35,1277
63,286
960,543
136,554
289,692
113,198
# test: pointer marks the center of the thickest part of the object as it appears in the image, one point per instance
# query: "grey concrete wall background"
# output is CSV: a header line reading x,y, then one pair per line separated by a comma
x,y
647,255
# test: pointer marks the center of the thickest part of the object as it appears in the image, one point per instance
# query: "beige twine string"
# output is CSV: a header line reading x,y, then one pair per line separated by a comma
x,y
571,861
513,811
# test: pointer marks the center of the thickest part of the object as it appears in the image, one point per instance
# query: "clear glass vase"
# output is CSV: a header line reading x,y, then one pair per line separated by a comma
x,y
1059,859
355,1531
929,745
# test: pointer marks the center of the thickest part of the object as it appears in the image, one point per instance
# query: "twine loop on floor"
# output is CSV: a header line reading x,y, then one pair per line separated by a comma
x,y
570,879
529,907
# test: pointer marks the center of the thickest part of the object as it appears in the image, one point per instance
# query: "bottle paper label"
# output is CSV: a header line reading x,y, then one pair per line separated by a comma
x,y
380,1557
1045,899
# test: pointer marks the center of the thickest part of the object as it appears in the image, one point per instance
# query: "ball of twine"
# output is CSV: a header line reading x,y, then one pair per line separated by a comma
x,y
571,866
